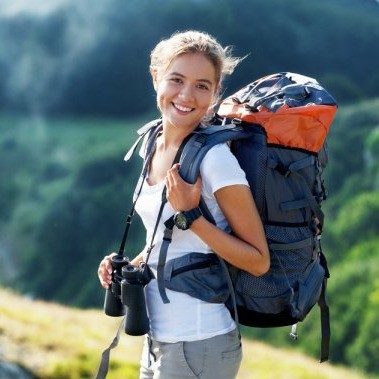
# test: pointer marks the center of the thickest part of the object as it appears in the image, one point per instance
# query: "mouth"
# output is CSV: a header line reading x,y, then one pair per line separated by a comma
x,y
182,108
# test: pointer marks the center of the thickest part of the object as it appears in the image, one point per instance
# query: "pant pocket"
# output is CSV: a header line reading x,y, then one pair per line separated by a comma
x,y
194,355
233,347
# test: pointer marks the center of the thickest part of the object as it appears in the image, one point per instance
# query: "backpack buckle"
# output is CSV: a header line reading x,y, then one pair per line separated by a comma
x,y
293,333
283,170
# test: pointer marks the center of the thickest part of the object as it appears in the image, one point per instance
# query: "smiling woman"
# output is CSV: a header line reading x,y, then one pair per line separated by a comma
x,y
187,71
186,90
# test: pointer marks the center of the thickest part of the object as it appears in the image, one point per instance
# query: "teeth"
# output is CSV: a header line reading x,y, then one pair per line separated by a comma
x,y
182,108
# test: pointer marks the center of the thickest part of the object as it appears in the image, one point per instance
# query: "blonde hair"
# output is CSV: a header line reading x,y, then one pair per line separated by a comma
x,y
192,41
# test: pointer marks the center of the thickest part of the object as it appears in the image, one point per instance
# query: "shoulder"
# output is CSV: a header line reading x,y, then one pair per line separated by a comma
x,y
218,156
219,152
220,168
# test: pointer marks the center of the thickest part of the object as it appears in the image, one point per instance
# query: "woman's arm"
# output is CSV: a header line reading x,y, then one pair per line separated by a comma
x,y
247,248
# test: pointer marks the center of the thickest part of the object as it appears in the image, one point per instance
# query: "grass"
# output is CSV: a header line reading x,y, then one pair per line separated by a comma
x,y
58,342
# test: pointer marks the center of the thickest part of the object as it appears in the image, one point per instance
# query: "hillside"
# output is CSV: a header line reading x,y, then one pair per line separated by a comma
x,y
58,342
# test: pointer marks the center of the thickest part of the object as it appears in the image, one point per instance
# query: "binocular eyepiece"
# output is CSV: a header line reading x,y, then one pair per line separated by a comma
x,y
125,295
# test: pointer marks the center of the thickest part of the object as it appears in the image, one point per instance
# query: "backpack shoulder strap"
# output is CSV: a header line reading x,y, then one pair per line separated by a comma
x,y
201,142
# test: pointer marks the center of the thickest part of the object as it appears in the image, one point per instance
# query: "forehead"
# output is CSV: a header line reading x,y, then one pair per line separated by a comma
x,y
194,66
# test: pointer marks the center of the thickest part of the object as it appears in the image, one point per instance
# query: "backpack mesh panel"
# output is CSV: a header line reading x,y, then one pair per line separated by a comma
x,y
287,269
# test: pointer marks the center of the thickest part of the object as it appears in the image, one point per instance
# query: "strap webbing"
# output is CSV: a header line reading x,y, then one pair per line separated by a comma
x,y
325,324
149,154
104,363
231,289
293,245
309,199
169,224
167,238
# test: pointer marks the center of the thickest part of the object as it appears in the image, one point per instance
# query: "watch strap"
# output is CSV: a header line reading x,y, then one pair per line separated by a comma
x,y
193,214
184,219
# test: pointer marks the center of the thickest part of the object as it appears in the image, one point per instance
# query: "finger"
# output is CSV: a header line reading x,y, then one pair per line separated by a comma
x,y
104,277
168,181
107,262
177,181
171,180
104,268
108,266
174,171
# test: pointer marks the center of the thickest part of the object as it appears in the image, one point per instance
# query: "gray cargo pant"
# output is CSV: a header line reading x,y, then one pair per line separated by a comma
x,y
217,357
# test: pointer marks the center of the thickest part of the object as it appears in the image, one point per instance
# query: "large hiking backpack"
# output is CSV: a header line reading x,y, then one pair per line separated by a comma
x,y
278,127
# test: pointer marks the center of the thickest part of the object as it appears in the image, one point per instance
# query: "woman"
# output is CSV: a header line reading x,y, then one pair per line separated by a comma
x,y
189,337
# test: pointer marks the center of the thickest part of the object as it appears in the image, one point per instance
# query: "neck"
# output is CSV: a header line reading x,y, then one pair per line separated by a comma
x,y
172,137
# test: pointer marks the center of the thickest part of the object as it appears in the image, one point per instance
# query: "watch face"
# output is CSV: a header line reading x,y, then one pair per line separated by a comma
x,y
181,221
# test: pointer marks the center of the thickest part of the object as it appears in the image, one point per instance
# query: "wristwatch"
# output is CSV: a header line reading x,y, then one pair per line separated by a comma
x,y
184,219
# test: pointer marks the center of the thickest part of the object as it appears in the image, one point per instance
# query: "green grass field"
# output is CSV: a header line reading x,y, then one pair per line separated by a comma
x,y
58,342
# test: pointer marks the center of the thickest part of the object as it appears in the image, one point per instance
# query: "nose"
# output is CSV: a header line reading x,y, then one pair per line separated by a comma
x,y
186,93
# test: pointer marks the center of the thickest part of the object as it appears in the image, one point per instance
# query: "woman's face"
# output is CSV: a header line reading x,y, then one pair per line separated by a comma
x,y
186,90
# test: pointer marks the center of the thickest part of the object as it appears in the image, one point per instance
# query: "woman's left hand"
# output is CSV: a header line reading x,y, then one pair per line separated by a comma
x,y
181,195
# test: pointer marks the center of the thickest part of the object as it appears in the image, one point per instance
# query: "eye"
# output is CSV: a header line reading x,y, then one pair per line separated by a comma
x,y
203,87
176,80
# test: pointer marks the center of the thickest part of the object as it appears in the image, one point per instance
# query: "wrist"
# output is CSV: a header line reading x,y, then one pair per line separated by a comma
x,y
184,219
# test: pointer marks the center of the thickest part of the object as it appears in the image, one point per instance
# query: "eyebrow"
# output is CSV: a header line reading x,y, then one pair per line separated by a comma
x,y
199,80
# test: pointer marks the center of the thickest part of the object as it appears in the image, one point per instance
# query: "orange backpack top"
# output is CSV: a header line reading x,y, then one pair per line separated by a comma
x,y
294,110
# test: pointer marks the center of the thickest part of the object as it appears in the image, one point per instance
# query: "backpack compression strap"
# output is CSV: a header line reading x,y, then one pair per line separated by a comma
x,y
308,201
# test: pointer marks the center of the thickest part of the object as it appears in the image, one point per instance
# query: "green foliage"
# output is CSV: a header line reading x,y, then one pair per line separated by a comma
x,y
357,220
82,367
349,147
92,206
103,70
353,296
69,204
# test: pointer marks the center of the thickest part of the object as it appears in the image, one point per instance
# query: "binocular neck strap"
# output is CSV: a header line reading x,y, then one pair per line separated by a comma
x,y
104,363
150,148
164,198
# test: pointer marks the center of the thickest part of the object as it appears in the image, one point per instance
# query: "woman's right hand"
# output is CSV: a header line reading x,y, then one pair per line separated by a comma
x,y
105,271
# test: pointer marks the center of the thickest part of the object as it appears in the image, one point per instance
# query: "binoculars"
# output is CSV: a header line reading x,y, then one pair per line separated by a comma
x,y
125,295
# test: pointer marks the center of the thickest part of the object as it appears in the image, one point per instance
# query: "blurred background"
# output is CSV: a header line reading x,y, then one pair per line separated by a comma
x,y
74,88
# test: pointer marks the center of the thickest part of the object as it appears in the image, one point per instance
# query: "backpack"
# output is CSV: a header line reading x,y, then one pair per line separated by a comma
x,y
277,126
